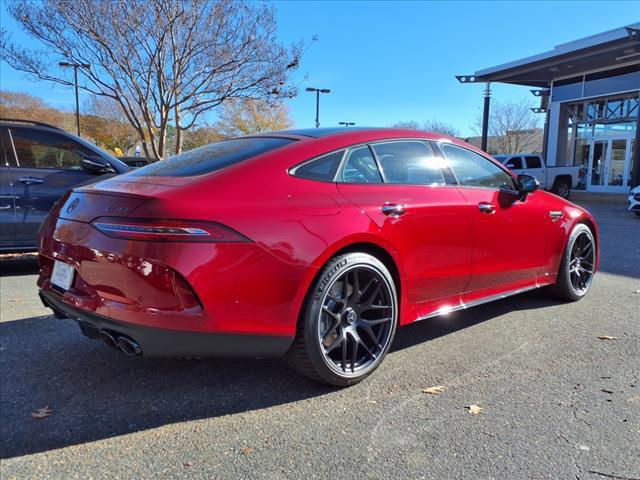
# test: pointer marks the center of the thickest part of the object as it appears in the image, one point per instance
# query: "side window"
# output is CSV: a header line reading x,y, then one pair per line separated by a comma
x,y
409,162
474,170
360,167
533,162
36,149
514,163
323,168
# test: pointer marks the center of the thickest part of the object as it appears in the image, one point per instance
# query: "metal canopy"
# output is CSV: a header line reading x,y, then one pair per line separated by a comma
x,y
605,50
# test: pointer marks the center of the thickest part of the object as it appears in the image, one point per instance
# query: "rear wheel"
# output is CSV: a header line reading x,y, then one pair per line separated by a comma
x,y
578,265
562,187
348,321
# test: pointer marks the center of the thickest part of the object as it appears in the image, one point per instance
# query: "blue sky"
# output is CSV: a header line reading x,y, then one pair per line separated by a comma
x,y
395,61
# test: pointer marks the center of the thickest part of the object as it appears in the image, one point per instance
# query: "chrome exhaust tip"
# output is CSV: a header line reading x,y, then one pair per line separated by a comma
x,y
108,339
128,346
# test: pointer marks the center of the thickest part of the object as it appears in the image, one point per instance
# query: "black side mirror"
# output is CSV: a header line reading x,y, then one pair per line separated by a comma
x,y
97,165
527,184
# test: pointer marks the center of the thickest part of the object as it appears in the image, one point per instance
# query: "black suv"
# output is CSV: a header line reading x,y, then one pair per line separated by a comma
x,y
38,164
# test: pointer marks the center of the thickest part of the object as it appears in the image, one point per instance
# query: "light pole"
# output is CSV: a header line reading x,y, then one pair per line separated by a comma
x,y
347,124
318,92
75,82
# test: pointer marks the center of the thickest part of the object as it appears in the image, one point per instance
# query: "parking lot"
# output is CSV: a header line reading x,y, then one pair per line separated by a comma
x,y
557,401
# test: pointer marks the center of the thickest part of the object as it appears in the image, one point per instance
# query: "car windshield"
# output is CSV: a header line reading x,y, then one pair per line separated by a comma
x,y
211,158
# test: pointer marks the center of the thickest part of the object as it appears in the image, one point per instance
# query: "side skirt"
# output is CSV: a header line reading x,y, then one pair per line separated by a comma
x,y
479,301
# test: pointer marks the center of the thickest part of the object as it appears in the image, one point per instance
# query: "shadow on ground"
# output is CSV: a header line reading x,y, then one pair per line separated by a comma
x,y
97,393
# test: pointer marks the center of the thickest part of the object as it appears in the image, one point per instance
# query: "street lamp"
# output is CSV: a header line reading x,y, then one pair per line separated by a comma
x,y
347,124
75,82
318,92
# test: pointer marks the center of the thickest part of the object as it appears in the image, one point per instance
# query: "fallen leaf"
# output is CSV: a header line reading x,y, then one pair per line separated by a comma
x,y
474,409
607,337
434,390
42,412
246,451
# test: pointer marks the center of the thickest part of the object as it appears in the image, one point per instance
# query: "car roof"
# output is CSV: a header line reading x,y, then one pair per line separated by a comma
x,y
321,132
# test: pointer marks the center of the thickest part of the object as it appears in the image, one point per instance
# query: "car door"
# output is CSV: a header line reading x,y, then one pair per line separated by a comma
x,y
7,203
536,168
400,185
509,233
43,166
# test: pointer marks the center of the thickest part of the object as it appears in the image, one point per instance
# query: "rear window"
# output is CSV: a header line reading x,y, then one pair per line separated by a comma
x,y
211,158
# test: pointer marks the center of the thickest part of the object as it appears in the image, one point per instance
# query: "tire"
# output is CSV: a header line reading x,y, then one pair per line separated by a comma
x,y
575,276
348,321
562,187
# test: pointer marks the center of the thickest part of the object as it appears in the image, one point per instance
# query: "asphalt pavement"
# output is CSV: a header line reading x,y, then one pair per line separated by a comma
x,y
556,401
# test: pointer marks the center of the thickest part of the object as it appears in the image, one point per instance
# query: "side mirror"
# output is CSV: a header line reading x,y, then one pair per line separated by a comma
x,y
96,165
527,184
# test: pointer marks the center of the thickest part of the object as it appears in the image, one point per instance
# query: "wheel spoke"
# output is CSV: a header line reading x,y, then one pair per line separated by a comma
x,y
354,354
373,336
377,321
333,315
336,343
366,349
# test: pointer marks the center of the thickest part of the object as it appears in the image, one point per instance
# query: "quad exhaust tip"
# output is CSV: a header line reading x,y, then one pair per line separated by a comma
x,y
122,343
128,346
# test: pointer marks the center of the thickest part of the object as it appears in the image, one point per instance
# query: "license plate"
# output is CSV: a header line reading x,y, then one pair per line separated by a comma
x,y
62,275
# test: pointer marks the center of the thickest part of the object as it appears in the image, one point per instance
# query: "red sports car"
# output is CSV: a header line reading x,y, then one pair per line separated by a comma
x,y
314,244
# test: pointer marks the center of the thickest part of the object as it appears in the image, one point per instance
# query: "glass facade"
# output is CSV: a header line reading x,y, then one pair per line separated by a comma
x,y
599,136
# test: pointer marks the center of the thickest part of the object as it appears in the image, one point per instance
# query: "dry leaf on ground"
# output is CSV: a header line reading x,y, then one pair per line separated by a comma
x,y
434,390
42,412
246,451
474,409
607,337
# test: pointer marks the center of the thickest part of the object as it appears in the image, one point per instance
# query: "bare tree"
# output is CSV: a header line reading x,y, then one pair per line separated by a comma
x,y
433,125
164,62
247,116
513,127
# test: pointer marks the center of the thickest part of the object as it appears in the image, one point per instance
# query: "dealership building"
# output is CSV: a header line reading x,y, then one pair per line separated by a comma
x,y
589,92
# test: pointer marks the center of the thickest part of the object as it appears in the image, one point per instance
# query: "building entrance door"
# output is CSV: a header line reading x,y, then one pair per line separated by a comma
x,y
609,165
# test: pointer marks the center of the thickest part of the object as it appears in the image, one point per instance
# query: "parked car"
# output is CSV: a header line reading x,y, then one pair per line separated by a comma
x,y
634,200
135,162
559,180
314,244
39,164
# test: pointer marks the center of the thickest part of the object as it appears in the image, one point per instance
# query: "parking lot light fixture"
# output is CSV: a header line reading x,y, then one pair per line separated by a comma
x,y
346,124
75,67
318,92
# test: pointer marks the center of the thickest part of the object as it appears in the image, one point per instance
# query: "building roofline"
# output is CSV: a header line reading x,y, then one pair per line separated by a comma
x,y
617,34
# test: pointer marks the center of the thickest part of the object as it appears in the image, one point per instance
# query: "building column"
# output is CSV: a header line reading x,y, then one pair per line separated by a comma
x,y
635,158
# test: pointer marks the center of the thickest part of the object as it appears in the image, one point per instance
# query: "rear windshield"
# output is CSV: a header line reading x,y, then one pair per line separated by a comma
x,y
211,158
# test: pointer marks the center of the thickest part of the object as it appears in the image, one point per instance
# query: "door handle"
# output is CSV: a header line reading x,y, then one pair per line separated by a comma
x,y
30,180
486,207
393,210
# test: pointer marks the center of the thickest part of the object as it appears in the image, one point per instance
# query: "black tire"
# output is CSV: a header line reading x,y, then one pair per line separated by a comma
x,y
562,187
575,276
350,311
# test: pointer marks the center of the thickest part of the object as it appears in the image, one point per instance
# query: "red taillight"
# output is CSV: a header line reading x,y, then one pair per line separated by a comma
x,y
158,230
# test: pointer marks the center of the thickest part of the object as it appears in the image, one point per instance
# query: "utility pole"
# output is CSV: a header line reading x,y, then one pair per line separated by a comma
x,y
318,92
75,83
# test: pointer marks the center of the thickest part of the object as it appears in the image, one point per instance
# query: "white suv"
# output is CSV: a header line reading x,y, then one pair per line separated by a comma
x,y
634,200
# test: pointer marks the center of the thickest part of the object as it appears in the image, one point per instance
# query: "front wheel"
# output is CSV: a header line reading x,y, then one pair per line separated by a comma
x,y
348,321
578,265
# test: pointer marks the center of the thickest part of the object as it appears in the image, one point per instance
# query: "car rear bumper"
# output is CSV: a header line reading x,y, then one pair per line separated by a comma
x,y
159,342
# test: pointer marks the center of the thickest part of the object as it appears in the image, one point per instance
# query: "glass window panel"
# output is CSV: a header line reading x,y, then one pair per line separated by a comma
x,y
474,170
616,166
323,168
409,162
360,167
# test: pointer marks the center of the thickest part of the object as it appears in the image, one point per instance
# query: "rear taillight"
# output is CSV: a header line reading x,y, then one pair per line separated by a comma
x,y
157,230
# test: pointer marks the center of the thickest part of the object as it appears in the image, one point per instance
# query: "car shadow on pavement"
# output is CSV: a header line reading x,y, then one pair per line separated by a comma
x,y
18,264
96,393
